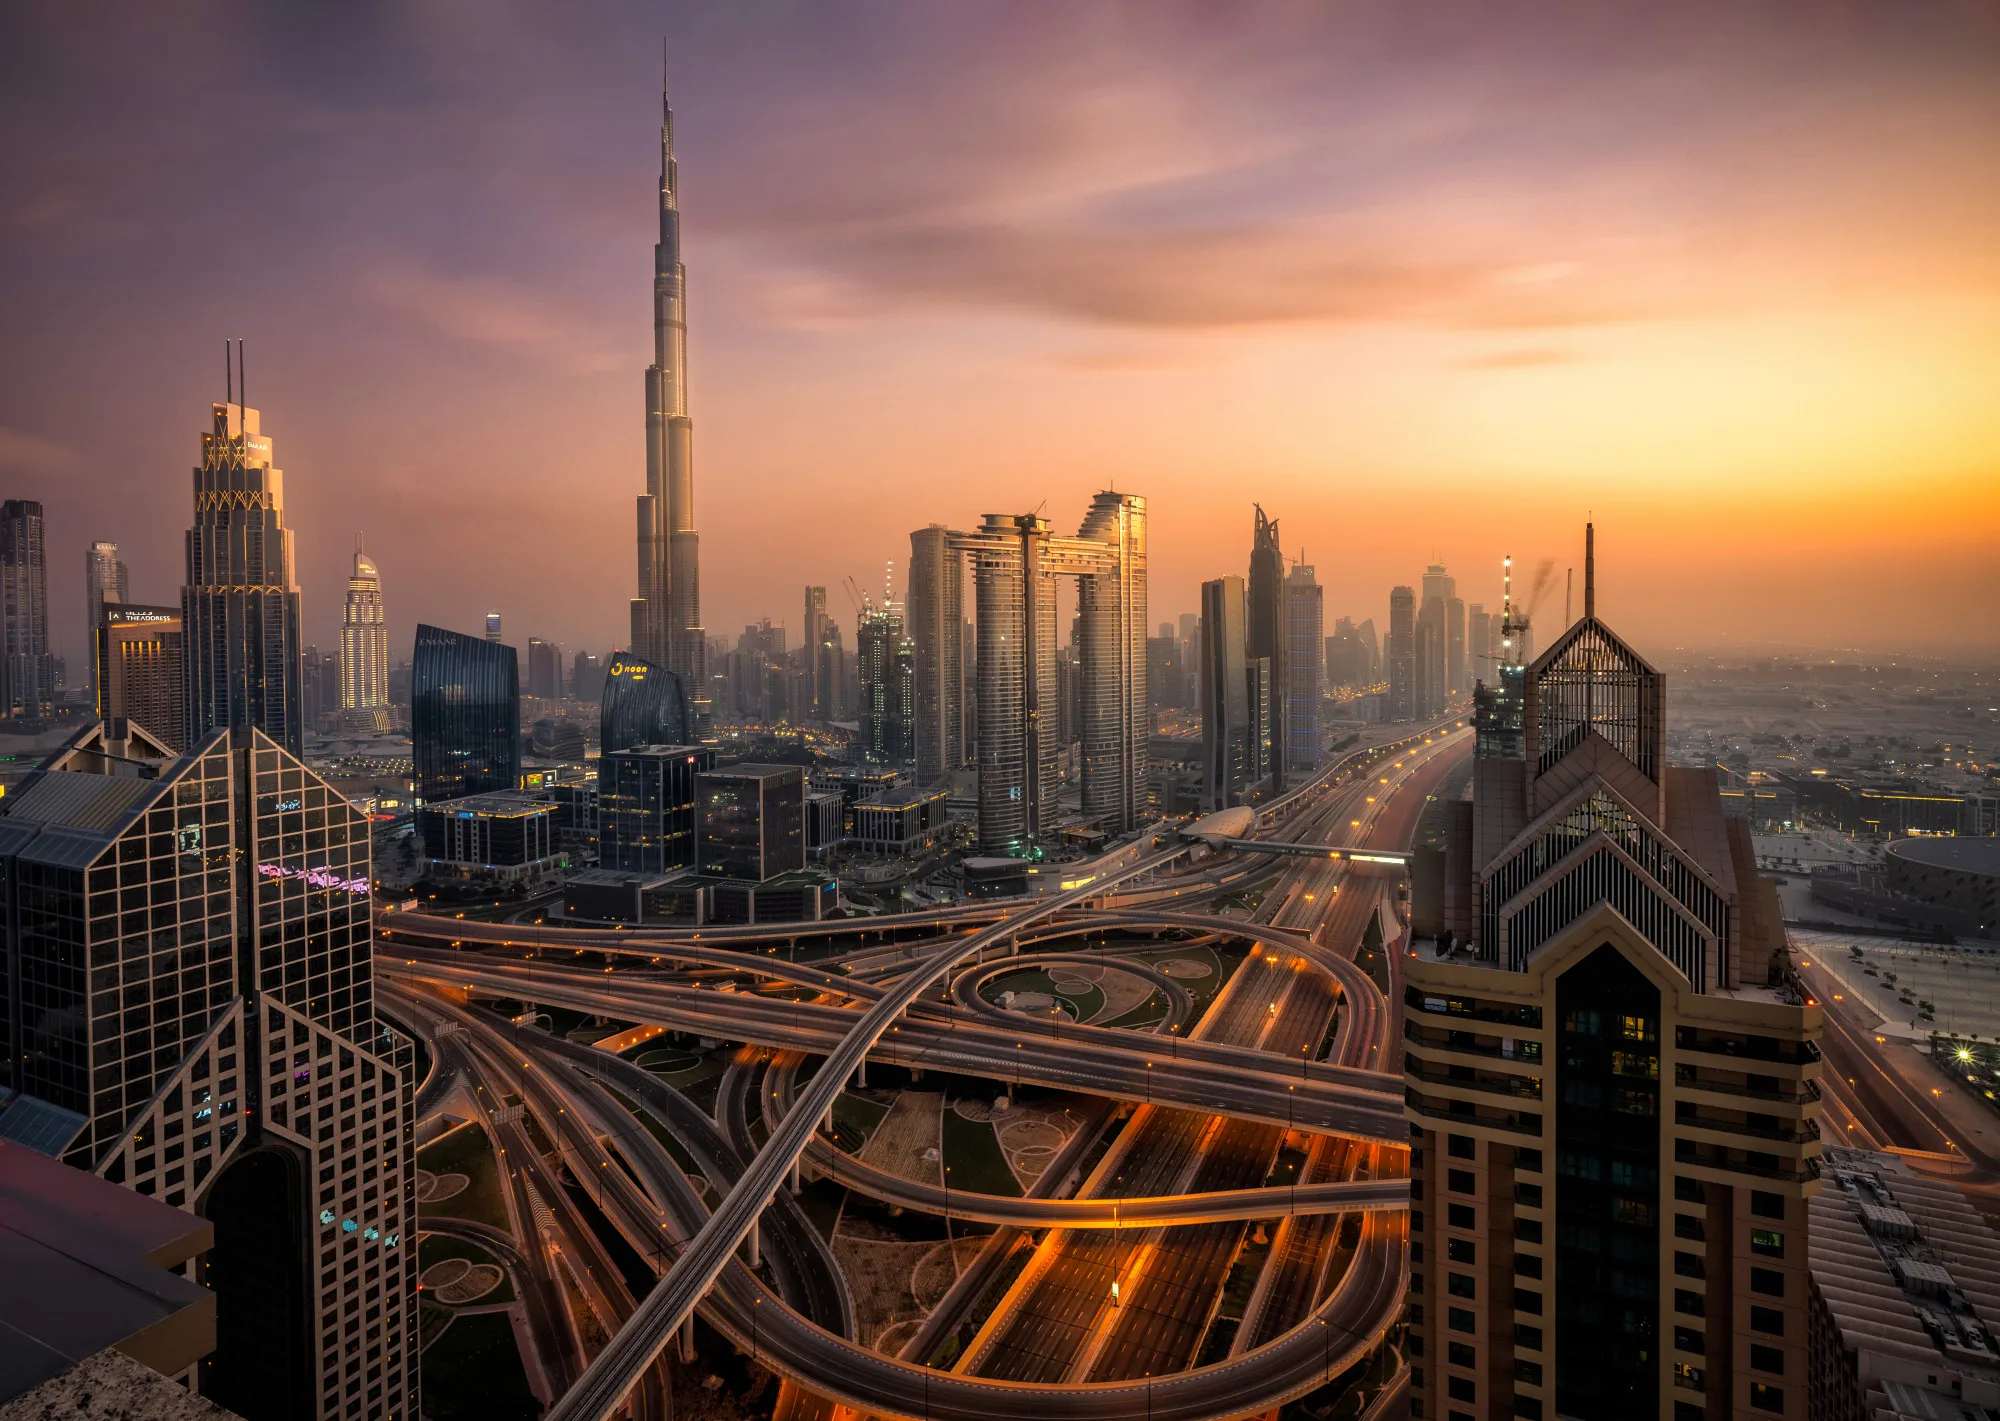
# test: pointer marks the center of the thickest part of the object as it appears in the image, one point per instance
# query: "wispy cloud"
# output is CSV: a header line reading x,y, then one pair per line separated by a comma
x,y
529,321
30,454
1518,358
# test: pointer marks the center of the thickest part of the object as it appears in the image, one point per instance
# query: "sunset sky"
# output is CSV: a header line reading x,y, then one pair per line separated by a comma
x,y
1418,278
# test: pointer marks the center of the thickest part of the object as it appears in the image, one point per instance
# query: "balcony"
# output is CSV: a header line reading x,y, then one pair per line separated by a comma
x,y
1462,1113
1485,1082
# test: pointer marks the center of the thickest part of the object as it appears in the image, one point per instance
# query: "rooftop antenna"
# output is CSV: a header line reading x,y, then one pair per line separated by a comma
x,y
1589,570
228,375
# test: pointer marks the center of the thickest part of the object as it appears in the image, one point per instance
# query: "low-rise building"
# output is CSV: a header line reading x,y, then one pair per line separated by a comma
x,y
502,836
904,820
1905,1279
825,816
1958,874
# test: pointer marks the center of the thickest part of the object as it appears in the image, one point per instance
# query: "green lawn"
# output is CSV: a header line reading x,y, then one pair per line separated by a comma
x,y
854,1119
466,1152
978,1165
473,1372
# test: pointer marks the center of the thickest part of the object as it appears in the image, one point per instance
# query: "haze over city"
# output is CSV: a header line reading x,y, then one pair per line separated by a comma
x,y
1433,283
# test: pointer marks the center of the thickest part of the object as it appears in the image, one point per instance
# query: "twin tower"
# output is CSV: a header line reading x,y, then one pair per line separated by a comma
x,y
1015,560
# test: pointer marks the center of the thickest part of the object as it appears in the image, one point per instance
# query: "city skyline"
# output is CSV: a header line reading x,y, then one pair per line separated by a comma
x,y
1724,435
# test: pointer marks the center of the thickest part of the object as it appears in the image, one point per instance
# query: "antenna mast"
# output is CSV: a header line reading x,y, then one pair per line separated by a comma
x,y
1590,570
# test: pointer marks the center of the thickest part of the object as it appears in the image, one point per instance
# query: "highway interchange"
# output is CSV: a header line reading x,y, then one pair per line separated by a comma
x,y
1269,1109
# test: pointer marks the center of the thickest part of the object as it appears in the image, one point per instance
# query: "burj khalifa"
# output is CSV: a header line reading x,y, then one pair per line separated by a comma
x,y
666,615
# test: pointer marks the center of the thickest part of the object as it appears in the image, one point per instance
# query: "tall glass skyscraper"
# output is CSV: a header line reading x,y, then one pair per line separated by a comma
x,y
666,615
364,641
1264,634
1305,667
465,715
27,672
191,1014
642,705
104,580
936,615
240,604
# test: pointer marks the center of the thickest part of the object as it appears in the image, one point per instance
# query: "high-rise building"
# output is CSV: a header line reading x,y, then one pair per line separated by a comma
x,y
1456,675
364,643
812,635
231,1063
545,669
1428,694
137,666
27,672
752,821
888,686
642,705
1479,645
1266,639
1305,663
1610,1080
104,580
833,673
493,626
465,715
586,676
1371,652
1015,561
1401,654
647,817
937,616
666,615
1229,753
240,603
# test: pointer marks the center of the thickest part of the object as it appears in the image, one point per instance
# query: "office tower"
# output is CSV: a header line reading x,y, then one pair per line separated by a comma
x,y
315,691
812,635
104,580
1479,644
1401,654
1228,732
545,669
1305,663
1456,676
1610,1087
1428,695
240,604
1015,561
27,672
887,732
364,644
465,715
229,1060
1164,678
1371,653
493,626
833,672
1266,635
1438,583
137,666
753,821
937,619
1069,698
586,677
666,615
647,818
642,705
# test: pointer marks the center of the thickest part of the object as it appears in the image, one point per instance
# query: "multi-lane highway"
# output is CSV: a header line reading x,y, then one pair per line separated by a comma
x,y
1215,1098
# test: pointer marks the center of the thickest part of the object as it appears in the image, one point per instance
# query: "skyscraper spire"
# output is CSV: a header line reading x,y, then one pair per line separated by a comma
x,y
666,614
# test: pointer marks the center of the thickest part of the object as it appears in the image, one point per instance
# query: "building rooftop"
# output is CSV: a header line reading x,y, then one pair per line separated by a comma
x,y
750,770
1963,855
495,804
83,1267
1911,1275
659,752
903,797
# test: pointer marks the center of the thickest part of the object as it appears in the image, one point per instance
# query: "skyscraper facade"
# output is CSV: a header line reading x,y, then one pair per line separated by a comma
x,y
240,603
1610,1083
937,611
104,580
1457,677
666,615
888,686
642,704
812,634
1428,693
1305,664
1015,562
27,672
1401,654
222,1052
545,669
137,665
465,715
1478,646
1266,635
1228,735
364,643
